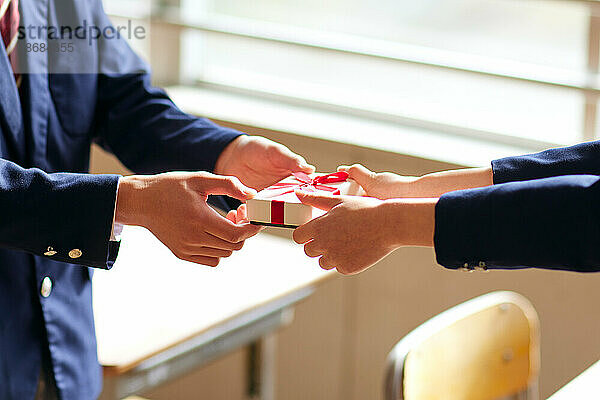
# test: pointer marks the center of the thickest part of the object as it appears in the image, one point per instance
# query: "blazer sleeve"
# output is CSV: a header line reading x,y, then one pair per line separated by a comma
x,y
149,134
581,159
546,223
63,216
140,124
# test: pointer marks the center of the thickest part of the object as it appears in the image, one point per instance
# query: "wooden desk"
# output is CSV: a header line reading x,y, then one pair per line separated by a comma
x,y
158,317
585,386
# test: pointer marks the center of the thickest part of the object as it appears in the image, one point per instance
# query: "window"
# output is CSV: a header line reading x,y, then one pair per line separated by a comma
x,y
511,71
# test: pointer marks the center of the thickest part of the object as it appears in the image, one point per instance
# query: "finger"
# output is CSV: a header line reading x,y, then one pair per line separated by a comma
x,y
350,270
209,251
209,240
232,216
209,261
326,263
225,229
303,233
242,214
359,173
303,166
207,183
238,216
321,201
312,250
235,234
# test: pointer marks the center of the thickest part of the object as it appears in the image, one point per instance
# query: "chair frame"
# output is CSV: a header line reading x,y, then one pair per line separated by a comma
x,y
394,374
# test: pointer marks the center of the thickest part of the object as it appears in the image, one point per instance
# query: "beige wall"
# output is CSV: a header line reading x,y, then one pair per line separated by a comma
x,y
337,344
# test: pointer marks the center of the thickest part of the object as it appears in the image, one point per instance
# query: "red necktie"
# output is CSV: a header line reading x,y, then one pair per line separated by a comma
x,y
9,27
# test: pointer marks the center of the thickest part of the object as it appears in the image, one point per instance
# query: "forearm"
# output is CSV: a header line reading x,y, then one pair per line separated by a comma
x,y
438,183
149,134
545,223
411,222
140,124
581,159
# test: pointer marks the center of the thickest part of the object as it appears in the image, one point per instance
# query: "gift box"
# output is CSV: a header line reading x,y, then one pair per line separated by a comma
x,y
279,206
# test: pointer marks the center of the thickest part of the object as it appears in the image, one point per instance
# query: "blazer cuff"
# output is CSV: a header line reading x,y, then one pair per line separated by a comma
x,y
509,169
461,231
85,240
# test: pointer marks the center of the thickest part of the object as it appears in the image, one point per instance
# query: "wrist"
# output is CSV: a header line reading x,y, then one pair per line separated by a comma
x,y
438,183
228,153
428,186
410,187
387,185
129,209
411,222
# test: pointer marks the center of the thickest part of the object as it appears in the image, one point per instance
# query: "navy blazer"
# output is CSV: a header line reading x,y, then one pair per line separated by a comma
x,y
542,211
56,218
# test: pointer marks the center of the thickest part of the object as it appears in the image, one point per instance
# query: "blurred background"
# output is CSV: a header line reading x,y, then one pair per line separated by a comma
x,y
406,86
427,63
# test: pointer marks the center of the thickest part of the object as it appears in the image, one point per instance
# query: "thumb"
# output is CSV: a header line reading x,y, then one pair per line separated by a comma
x,y
293,162
208,183
300,165
363,176
321,201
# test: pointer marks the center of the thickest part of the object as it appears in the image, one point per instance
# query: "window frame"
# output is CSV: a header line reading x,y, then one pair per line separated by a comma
x,y
166,16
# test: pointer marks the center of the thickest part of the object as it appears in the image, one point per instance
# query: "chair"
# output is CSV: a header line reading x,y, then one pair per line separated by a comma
x,y
484,349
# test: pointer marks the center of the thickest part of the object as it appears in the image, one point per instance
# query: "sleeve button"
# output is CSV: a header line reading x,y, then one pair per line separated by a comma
x,y
49,251
75,253
481,266
466,267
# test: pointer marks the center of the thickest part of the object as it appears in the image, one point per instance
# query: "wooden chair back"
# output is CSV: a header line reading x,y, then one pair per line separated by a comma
x,y
484,349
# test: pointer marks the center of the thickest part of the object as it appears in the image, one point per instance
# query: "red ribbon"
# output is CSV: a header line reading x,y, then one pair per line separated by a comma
x,y
317,183
277,212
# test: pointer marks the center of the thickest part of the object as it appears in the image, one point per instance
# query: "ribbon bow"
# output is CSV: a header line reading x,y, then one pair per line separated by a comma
x,y
312,184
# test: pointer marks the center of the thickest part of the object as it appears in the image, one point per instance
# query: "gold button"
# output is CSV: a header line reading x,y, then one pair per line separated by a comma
x,y
46,288
466,268
75,253
49,251
481,266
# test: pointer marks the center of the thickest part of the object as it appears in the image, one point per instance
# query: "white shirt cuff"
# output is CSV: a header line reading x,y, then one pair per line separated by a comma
x,y
115,232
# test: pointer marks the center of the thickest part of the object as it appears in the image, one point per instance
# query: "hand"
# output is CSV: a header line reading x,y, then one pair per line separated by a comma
x,y
384,185
388,186
259,162
349,237
173,207
356,232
